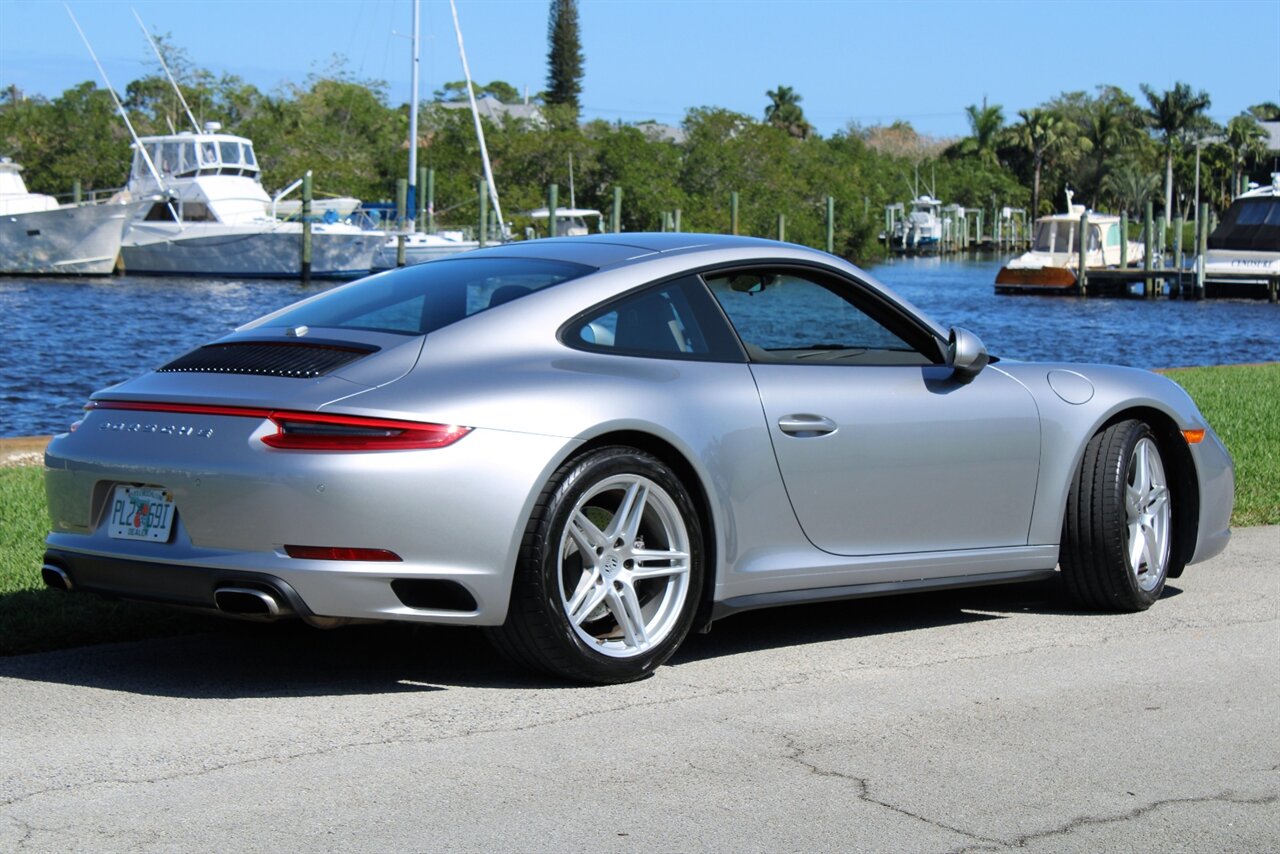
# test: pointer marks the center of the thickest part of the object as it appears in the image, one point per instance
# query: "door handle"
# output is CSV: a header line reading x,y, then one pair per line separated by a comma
x,y
804,426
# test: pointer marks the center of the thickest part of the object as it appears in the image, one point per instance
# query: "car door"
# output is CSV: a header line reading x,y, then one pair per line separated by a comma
x,y
881,449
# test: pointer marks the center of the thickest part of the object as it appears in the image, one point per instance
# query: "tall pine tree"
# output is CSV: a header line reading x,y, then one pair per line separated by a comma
x,y
564,60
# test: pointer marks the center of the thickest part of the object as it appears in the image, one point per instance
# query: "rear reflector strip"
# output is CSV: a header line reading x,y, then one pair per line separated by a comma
x,y
317,431
339,553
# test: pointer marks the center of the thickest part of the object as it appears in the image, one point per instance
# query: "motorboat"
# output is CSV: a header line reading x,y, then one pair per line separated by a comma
x,y
1245,247
216,219
1054,259
920,230
571,222
40,236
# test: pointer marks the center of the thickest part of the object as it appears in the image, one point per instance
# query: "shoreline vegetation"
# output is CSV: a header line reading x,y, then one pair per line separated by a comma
x,y
1242,402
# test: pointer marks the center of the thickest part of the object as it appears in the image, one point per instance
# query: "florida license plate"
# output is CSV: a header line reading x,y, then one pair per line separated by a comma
x,y
141,513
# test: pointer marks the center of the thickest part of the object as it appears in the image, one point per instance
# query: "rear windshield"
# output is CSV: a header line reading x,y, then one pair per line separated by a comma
x,y
426,297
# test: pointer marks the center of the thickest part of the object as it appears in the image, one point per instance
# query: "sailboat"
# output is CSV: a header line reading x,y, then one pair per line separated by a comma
x,y
422,246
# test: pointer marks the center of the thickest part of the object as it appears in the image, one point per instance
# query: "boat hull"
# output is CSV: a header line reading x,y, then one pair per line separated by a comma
x,y
67,241
1035,279
247,250
419,252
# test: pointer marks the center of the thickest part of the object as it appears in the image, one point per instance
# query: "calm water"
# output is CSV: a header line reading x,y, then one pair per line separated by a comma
x,y
61,339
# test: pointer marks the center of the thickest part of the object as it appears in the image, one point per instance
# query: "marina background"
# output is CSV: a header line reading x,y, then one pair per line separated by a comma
x,y
66,338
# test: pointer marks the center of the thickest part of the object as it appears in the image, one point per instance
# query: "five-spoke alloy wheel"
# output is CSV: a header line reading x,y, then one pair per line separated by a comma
x,y
610,570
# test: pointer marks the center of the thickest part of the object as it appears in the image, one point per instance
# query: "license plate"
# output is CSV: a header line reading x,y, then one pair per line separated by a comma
x,y
141,513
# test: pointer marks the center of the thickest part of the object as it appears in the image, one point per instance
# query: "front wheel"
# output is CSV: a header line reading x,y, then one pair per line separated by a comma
x,y
1117,535
610,570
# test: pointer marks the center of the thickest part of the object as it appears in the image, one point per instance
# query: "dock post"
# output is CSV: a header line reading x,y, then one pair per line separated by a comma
x,y
782,227
675,220
1148,240
483,189
981,211
306,228
831,225
431,200
1202,245
77,194
1175,292
421,219
733,212
553,205
1082,270
402,195
616,215
1124,239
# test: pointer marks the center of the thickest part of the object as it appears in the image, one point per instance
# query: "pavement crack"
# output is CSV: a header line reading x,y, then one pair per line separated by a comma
x,y
862,786
1137,812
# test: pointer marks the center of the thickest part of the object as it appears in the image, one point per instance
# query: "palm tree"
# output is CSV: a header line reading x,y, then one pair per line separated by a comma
x,y
985,124
1176,114
1107,126
1245,139
1131,186
1041,133
784,111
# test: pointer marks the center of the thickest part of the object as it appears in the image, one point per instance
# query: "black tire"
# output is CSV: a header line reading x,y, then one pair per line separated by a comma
x,y
653,579
1104,517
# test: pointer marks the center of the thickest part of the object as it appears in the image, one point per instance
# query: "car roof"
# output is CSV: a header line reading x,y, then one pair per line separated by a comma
x,y
609,250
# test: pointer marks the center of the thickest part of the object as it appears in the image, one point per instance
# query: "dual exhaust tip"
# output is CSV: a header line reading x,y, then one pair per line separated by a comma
x,y
237,601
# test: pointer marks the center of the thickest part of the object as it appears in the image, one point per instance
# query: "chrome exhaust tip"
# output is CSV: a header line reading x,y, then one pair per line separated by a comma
x,y
56,577
247,602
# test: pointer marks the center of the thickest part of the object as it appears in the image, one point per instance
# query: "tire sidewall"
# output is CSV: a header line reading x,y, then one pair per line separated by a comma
x,y
1119,483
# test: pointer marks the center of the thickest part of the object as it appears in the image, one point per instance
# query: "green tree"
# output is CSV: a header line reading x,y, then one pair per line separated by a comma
x,y
784,112
1041,134
1131,186
76,136
1245,140
564,61
456,90
1267,111
985,125
1177,114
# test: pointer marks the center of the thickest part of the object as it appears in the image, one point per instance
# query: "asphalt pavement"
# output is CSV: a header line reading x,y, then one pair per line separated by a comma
x,y
979,720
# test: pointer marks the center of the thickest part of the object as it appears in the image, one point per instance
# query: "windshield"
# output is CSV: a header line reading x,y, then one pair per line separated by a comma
x,y
426,297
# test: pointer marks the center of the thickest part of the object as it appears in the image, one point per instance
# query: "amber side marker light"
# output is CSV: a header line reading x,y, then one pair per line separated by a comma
x,y
1193,437
339,553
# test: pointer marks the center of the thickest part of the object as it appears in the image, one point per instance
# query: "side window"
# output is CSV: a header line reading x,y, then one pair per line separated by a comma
x,y
785,316
673,320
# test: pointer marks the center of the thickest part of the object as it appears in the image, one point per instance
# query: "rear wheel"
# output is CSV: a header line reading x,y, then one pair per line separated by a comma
x,y
1117,535
610,570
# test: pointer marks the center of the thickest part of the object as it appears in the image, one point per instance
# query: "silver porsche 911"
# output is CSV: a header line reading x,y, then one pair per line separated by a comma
x,y
592,445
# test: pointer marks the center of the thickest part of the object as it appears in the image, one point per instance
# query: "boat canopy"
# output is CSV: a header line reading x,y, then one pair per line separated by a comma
x,y
189,155
1250,224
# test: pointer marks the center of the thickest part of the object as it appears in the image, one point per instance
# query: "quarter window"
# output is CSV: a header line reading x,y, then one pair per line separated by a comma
x,y
673,320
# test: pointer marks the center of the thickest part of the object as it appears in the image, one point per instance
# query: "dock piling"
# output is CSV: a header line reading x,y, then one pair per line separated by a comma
x,y
421,218
1202,244
483,189
615,219
431,200
1148,235
733,212
553,205
402,196
831,225
1175,291
1082,271
782,227
306,228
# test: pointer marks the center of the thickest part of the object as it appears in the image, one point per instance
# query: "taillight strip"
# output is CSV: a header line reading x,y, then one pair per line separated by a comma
x,y
398,434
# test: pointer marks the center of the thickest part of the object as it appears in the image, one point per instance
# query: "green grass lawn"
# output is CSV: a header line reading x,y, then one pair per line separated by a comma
x,y
1242,402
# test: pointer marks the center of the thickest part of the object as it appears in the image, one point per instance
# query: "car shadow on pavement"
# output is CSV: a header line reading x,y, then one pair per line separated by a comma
x,y
288,659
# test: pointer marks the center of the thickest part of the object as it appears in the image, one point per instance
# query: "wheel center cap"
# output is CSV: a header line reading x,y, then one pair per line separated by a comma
x,y
611,564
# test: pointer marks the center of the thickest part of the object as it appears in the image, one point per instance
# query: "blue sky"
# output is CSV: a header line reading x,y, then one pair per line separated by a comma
x,y
867,62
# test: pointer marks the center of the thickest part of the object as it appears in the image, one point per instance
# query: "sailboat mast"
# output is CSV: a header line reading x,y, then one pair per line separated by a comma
x,y
413,121
475,114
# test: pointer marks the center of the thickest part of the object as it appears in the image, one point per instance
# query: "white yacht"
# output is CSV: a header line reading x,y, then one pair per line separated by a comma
x,y
40,236
420,247
1245,246
921,229
1054,259
217,219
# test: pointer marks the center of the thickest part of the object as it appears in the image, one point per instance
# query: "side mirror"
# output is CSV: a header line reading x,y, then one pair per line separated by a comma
x,y
966,354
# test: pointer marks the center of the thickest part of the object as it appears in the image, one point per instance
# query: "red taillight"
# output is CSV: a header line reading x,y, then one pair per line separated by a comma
x,y
317,431
305,431
339,553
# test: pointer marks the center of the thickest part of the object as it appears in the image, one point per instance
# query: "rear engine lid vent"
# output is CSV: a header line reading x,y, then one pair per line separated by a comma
x,y
269,358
